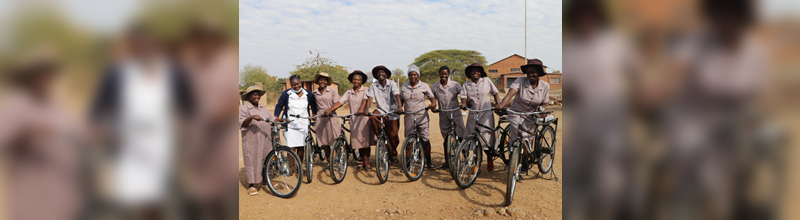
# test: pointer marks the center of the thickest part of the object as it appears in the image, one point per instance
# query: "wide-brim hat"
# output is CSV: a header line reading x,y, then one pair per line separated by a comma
x,y
534,63
320,75
479,66
252,89
357,72
375,71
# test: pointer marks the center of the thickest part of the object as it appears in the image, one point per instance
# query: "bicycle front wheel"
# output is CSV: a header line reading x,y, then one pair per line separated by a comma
x,y
468,162
382,160
502,148
547,150
338,161
309,158
412,158
284,172
513,171
452,147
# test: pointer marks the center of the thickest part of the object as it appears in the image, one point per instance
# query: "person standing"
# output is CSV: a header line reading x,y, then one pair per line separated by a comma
x,y
256,142
414,93
360,134
530,93
296,101
327,127
387,97
476,96
447,92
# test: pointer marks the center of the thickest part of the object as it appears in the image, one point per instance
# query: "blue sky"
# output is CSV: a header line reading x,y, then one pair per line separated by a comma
x,y
363,34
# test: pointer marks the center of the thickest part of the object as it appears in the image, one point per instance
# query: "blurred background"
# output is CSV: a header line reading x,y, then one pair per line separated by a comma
x,y
683,109
116,109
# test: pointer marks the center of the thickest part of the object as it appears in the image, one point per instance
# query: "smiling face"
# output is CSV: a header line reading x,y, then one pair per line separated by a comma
x,y
443,75
475,74
322,82
413,77
254,97
295,84
532,73
381,75
357,81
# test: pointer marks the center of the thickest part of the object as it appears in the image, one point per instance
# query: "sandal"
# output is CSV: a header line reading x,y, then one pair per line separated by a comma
x,y
252,191
359,166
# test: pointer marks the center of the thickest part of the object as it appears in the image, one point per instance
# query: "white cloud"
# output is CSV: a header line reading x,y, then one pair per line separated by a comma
x,y
362,34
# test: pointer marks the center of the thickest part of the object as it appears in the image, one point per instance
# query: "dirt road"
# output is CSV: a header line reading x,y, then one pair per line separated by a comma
x,y
434,196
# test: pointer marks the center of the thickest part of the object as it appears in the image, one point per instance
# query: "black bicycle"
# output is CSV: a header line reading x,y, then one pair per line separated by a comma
x,y
412,154
544,136
451,140
311,148
341,148
282,168
470,154
381,152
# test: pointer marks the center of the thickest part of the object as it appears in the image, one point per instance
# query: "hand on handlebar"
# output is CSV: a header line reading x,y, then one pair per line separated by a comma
x,y
281,120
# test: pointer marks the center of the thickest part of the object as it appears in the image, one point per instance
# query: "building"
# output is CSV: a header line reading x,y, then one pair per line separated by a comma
x,y
506,70
309,85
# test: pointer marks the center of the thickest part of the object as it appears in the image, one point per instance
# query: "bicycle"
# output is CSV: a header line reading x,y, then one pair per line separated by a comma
x,y
469,155
279,166
341,148
452,140
381,152
417,156
311,148
538,154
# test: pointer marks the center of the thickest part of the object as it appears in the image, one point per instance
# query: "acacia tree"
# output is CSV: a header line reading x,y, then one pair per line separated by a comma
x,y
457,60
319,63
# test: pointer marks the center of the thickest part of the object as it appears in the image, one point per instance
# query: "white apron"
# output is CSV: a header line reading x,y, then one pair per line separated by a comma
x,y
295,136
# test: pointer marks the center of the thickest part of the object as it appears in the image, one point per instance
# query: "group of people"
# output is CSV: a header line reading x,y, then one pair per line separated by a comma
x,y
391,100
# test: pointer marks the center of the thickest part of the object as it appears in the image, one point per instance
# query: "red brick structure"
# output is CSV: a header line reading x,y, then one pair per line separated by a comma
x,y
506,70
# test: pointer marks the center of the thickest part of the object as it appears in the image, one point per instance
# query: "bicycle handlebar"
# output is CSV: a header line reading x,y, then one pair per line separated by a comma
x,y
446,110
528,113
473,110
342,116
379,115
298,116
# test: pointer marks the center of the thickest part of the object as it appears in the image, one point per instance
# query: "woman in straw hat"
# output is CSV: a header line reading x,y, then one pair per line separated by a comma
x,y
413,94
327,127
360,134
256,144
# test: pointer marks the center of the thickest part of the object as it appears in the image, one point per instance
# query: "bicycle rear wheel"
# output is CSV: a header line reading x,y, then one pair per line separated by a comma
x,y
382,160
513,173
452,147
338,161
412,158
468,159
284,172
547,150
309,158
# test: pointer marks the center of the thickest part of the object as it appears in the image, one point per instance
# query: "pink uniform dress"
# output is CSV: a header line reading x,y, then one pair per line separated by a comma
x,y
327,128
527,99
479,94
256,142
448,96
413,100
360,133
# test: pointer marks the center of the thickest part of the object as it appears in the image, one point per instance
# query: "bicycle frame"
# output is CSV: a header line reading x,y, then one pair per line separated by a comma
x,y
477,132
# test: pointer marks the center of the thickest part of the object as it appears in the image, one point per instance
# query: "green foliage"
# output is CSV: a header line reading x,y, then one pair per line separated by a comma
x,y
253,73
399,76
318,63
457,60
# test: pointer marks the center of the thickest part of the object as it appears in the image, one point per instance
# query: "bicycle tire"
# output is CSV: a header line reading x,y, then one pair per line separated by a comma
x,y
382,161
452,147
281,171
502,147
417,154
309,158
468,159
513,173
551,147
338,161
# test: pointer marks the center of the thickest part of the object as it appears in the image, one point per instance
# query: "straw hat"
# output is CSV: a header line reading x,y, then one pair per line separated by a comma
x,y
322,74
251,89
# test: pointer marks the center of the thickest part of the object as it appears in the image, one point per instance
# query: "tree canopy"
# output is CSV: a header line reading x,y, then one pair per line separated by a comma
x,y
457,60
319,63
251,74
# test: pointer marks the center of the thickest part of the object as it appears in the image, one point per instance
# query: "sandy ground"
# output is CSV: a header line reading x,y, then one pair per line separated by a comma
x,y
434,196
